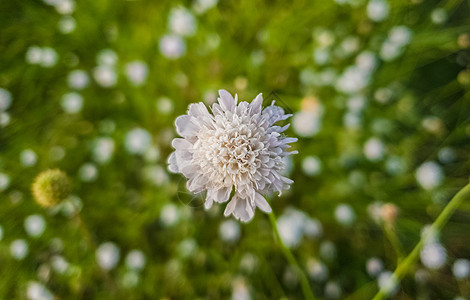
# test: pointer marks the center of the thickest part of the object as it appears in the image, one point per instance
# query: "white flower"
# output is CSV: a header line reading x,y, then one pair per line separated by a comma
x,y
235,147
37,291
35,225
107,255
172,46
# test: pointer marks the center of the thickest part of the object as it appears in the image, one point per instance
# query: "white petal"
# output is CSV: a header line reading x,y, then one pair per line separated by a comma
x,y
196,184
222,194
185,127
262,204
230,206
181,144
172,165
198,110
226,100
208,203
256,104
240,208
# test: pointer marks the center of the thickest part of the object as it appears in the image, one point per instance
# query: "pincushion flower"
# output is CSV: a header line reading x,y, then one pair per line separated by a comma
x,y
235,147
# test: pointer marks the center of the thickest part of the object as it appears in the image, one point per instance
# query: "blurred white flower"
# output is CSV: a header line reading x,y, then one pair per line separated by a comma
x,y
293,224
88,172
240,290
78,79
103,149
37,291
19,249
4,181
327,250
107,255
333,290
105,76
321,56
33,55
374,149
65,7
72,103
49,57
439,15
388,282
165,105
59,264
28,158
344,214
67,24
429,175
137,141
187,247
311,165
137,72
433,256
4,119
201,6
107,57
446,155
170,214
156,175
34,225
229,231
366,61
353,80
5,99
374,266
135,260
181,21
461,268
400,35
317,270
172,46
356,103
306,123
236,147
377,10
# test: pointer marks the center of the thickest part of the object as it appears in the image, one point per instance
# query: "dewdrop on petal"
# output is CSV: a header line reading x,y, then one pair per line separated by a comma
x,y
236,147
51,187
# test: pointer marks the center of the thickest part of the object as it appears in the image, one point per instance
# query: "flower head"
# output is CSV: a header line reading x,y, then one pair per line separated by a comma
x,y
235,148
51,187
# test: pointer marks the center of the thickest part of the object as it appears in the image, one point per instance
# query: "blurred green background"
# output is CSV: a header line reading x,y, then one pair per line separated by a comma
x,y
380,95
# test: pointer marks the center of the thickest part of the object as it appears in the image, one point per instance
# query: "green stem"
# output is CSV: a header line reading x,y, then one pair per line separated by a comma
x,y
406,264
292,261
394,241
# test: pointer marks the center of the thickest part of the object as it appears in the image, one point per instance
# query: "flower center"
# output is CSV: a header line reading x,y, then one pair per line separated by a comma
x,y
231,155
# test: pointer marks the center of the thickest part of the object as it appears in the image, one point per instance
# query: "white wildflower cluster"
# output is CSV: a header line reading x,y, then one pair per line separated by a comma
x,y
46,57
78,79
433,254
181,24
378,10
107,255
429,175
137,72
307,122
294,224
201,6
5,103
394,46
236,147
345,215
105,73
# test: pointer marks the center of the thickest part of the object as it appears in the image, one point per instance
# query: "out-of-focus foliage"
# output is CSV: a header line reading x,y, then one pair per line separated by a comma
x,y
379,91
